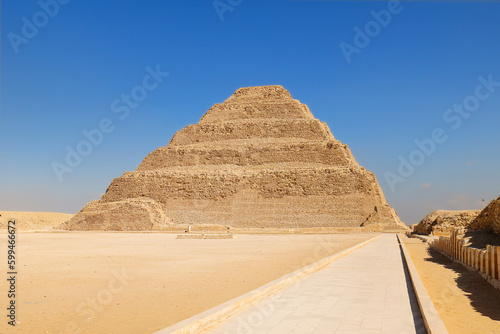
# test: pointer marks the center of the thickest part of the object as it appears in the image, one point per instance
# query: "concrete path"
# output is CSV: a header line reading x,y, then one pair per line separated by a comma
x,y
367,291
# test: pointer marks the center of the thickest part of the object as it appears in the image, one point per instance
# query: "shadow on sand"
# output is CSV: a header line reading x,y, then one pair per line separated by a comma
x,y
481,238
484,298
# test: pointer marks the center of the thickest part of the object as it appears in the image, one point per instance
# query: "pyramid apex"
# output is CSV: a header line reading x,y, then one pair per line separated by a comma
x,y
275,92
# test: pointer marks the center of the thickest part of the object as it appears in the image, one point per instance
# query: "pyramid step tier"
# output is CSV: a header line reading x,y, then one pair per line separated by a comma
x,y
249,209
228,111
247,152
246,129
217,182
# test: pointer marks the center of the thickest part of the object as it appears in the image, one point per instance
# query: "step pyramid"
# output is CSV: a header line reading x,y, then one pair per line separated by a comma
x,y
259,159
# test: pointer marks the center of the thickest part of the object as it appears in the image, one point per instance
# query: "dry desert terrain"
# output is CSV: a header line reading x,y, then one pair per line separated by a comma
x,y
466,303
108,282
26,221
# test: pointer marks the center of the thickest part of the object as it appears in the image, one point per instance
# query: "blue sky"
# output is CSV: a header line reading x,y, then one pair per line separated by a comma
x,y
395,90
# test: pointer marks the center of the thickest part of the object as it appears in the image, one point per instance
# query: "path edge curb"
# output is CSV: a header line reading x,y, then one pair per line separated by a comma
x,y
205,319
433,322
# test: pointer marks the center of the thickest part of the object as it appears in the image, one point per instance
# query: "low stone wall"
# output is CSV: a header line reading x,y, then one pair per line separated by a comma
x,y
204,236
424,238
485,261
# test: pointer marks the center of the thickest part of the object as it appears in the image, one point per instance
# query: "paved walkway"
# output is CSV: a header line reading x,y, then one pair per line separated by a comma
x,y
367,291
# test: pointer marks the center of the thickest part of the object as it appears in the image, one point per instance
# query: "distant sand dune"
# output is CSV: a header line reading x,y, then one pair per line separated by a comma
x,y
26,221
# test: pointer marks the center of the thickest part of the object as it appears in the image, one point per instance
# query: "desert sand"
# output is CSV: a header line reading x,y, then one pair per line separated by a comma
x,y
111,282
33,220
465,301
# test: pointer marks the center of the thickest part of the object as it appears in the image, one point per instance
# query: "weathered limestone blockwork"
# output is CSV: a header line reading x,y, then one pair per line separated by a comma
x,y
489,218
445,220
260,159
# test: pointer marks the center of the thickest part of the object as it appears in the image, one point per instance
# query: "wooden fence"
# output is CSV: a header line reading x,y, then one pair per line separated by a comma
x,y
486,261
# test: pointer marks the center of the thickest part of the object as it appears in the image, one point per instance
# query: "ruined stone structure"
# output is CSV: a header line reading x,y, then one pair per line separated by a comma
x,y
259,159
445,220
489,218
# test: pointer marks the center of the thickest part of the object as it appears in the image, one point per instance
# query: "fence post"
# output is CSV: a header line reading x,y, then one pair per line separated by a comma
x,y
471,256
494,261
479,252
474,258
491,260
478,260
498,262
488,260
459,249
481,261
464,252
461,253
454,244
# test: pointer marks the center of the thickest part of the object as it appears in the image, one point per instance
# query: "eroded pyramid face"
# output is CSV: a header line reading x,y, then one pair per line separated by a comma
x,y
489,218
259,159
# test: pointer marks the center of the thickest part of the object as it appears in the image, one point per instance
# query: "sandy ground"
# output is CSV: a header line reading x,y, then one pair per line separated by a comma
x,y
464,300
33,220
96,282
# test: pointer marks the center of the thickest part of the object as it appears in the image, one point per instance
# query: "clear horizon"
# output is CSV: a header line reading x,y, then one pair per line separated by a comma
x,y
413,88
